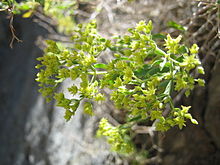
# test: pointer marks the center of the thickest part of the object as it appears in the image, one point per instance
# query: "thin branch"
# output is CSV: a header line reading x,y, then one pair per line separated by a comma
x,y
45,25
14,37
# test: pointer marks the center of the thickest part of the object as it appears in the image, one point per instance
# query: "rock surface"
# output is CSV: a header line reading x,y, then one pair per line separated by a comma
x,y
33,132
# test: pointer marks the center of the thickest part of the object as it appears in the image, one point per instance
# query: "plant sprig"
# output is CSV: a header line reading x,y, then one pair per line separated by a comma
x,y
142,77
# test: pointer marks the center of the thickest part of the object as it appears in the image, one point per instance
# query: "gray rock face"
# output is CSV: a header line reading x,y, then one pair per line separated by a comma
x,y
31,131
19,90
62,143
212,114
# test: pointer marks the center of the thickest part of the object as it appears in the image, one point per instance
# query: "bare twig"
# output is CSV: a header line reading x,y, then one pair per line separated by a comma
x,y
45,25
14,37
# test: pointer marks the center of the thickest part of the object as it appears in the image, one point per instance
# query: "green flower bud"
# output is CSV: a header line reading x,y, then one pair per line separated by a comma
x,y
194,49
194,121
73,89
201,82
88,108
201,70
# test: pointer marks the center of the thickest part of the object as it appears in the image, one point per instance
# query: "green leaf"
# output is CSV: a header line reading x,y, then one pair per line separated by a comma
x,y
27,14
100,66
157,62
158,36
59,80
180,59
159,52
73,89
122,58
124,126
153,71
175,25
183,49
75,106
24,7
141,72
164,83
88,108
68,115
168,88
102,39
163,64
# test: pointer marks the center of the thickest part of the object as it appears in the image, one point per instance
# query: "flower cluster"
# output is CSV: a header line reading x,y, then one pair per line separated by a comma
x,y
116,136
60,63
142,77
